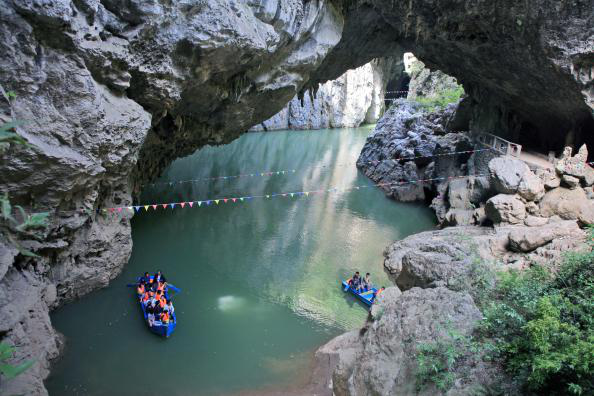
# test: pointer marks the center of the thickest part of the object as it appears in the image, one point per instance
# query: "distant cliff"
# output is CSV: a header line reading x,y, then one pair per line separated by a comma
x,y
354,98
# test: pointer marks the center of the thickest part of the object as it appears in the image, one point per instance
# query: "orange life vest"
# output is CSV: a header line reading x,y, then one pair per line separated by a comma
x,y
162,302
165,317
140,289
146,297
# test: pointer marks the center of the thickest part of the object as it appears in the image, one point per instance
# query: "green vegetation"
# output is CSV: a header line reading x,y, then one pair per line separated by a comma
x,y
436,360
538,323
441,99
8,136
541,322
28,224
9,371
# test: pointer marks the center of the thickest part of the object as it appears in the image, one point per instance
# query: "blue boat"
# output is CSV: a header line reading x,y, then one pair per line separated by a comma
x,y
158,327
367,297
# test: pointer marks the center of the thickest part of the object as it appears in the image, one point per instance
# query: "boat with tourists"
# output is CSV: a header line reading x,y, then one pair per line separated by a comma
x,y
153,295
367,296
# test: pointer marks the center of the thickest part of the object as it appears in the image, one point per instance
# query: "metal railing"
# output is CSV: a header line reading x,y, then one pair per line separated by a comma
x,y
500,144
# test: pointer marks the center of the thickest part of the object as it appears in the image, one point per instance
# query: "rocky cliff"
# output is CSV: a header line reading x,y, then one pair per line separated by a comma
x,y
354,98
109,93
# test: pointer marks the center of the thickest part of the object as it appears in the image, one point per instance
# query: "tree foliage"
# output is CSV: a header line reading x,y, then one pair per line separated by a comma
x,y
541,322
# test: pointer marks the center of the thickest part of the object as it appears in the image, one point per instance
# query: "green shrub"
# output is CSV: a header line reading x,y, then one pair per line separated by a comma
x,y
9,371
541,322
437,360
442,99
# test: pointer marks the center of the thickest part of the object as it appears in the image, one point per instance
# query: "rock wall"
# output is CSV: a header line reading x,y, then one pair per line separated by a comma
x,y
427,83
355,97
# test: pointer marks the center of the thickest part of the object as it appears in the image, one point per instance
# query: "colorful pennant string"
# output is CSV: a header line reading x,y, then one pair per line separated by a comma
x,y
226,200
283,172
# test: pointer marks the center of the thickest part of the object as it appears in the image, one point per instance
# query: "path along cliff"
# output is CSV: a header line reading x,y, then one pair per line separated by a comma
x,y
109,93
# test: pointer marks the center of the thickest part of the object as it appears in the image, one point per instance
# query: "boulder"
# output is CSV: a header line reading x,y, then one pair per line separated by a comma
x,y
384,361
528,239
531,187
441,257
567,204
570,181
458,217
506,174
533,221
505,208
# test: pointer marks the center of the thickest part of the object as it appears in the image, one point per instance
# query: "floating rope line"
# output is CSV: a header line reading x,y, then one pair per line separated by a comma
x,y
292,171
225,200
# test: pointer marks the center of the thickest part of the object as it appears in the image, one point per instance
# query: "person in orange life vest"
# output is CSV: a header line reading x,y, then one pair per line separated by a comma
x,y
162,302
140,290
378,293
164,317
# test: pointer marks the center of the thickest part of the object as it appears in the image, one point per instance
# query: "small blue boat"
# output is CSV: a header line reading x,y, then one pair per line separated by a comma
x,y
367,297
158,327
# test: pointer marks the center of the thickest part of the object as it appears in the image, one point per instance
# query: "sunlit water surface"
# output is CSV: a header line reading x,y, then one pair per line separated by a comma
x,y
259,278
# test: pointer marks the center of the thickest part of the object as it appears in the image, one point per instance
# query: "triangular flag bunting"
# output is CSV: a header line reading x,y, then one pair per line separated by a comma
x,y
290,194
146,207
137,208
208,202
306,193
216,201
164,206
190,203
172,205
284,195
225,200
199,203
234,200
241,199
183,204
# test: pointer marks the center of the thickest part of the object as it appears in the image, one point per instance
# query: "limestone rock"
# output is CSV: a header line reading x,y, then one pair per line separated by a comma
x,y
570,182
429,258
532,221
385,361
528,239
531,187
348,101
509,175
567,204
505,208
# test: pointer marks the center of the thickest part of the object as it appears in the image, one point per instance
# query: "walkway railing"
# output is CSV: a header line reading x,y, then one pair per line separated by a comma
x,y
500,144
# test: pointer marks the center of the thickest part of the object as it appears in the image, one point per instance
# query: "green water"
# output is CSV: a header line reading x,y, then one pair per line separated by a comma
x,y
259,278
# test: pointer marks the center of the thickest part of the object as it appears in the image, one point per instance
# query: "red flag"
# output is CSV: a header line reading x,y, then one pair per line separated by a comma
x,y
154,206
225,200
164,205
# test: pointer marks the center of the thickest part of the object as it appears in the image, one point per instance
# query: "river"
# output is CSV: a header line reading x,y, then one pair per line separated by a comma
x,y
259,278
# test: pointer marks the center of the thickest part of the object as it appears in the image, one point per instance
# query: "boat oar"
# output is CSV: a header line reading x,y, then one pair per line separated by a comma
x,y
174,288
